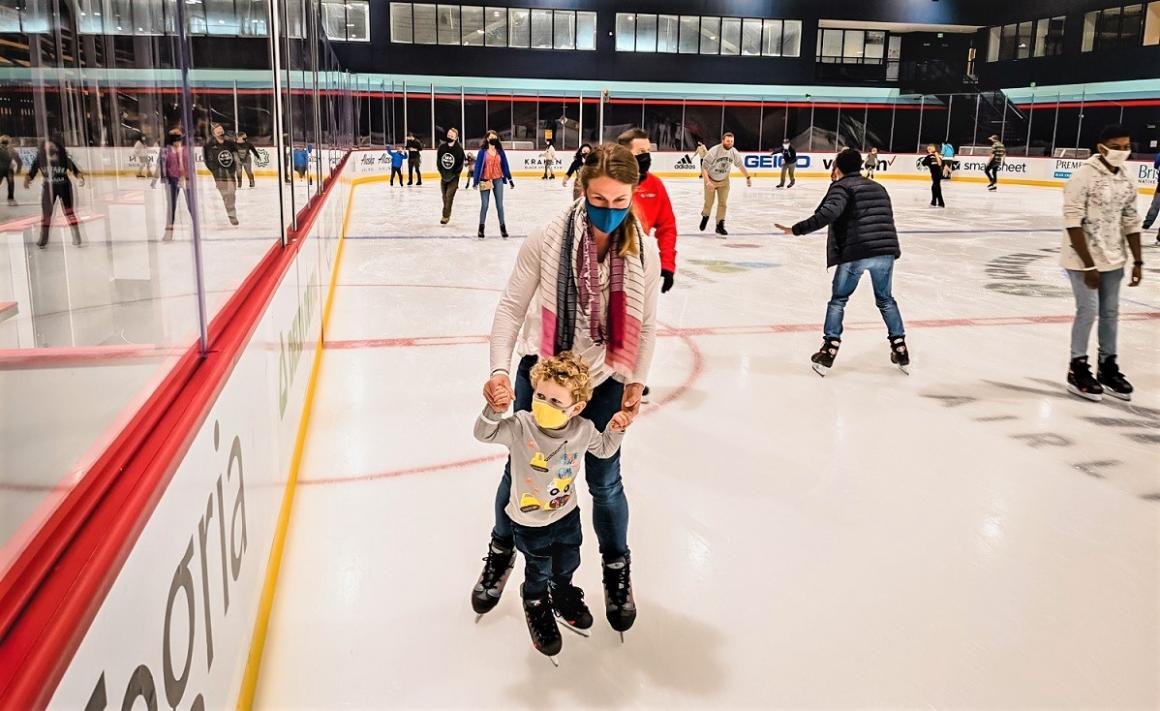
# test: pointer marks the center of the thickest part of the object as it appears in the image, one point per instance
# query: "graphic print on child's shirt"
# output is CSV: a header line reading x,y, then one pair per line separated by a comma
x,y
545,464
559,491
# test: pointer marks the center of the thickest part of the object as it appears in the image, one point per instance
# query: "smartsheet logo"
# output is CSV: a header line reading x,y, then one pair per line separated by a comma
x,y
685,163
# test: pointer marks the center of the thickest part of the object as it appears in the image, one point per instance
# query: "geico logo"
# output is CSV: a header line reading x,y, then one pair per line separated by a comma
x,y
767,161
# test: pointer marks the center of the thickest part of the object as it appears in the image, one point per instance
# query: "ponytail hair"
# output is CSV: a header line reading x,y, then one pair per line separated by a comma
x,y
612,160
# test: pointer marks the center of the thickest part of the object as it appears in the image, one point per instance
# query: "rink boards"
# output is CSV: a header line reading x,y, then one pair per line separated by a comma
x,y
178,622
668,164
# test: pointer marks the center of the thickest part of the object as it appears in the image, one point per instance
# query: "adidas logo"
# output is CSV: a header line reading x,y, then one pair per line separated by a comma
x,y
685,162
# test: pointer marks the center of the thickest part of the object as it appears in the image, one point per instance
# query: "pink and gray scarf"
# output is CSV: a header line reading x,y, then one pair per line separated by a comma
x,y
570,280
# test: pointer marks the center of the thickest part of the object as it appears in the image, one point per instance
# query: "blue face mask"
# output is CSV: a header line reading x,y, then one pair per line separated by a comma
x,y
605,219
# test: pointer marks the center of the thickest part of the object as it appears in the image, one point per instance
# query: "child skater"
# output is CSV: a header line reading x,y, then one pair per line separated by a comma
x,y
547,448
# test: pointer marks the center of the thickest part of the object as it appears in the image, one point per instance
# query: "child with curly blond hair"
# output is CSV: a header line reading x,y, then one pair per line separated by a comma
x,y
547,447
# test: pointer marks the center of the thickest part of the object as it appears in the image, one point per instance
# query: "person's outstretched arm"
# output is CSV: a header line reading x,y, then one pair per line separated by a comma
x,y
833,205
607,443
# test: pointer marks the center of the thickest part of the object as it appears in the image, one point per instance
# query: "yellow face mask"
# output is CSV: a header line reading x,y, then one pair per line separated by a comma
x,y
548,417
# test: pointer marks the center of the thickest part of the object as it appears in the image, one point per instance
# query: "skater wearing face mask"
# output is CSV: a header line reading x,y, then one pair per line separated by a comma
x,y
549,158
583,283
491,174
577,163
788,163
651,204
1101,227
545,517
449,160
220,155
862,238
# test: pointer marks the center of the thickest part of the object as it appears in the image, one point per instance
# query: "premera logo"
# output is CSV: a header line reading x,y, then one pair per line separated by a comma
x,y
685,163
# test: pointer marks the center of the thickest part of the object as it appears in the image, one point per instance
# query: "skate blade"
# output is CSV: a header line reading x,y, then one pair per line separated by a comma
x,y
904,368
478,617
576,630
820,369
1119,396
1094,397
622,638
554,662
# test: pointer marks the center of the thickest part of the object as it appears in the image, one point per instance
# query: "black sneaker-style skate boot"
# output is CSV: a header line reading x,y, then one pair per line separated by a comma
x,y
619,605
721,228
899,354
1080,381
568,603
1113,381
481,231
497,566
704,222
503,231
542,625
823,360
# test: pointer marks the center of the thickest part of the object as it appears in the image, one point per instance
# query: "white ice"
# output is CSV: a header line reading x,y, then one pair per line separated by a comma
x,y
966,536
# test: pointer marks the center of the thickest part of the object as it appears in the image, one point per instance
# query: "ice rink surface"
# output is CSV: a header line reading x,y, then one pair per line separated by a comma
x,y
968,536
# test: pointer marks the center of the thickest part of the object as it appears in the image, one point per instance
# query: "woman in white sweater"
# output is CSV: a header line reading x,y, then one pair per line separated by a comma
x,y
585,283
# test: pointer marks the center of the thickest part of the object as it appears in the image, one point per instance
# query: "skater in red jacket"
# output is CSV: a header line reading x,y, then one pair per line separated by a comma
x,y
651,204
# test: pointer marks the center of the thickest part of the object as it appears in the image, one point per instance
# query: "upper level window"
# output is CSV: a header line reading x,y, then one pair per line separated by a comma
x,y
1129,25
473,26
693,34
348,20
1031,38
840,46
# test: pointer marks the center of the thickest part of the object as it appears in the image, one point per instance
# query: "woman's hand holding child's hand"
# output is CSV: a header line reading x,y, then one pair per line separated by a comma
x,y
620,421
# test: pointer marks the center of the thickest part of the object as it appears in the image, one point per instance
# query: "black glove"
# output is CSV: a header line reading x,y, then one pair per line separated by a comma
x,y
511,184
667,280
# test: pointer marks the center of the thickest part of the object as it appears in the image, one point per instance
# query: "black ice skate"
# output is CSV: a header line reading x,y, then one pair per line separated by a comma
x,y
619,605
1113,381
899,355
497,566
823,360
721,228
568,603
481,231
503,231
1080,381
704,222
542,626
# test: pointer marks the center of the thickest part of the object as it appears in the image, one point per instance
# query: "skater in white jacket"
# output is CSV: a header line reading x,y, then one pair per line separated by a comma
x,y
549,156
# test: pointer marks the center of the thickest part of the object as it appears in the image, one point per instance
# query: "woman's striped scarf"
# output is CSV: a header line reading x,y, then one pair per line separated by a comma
x,y
569,280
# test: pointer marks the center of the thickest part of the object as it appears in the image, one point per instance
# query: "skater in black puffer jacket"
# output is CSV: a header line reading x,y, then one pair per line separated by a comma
x,y
861,238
